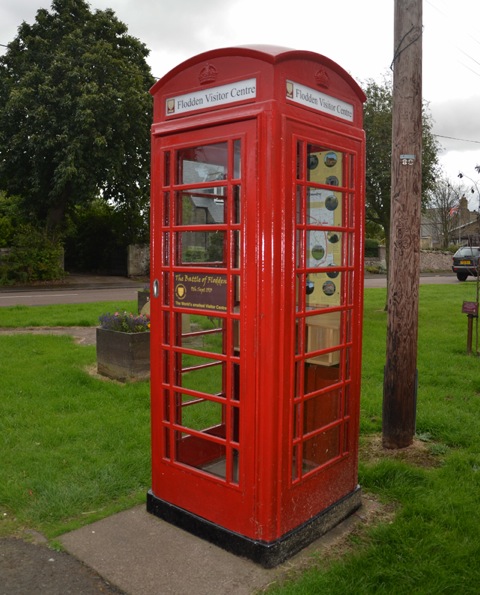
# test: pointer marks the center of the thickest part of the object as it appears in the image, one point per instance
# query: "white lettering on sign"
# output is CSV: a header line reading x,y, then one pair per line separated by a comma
x,y
319,101
214,97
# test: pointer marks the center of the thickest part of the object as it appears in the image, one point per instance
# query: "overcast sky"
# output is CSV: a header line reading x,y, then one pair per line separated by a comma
x,y
356,35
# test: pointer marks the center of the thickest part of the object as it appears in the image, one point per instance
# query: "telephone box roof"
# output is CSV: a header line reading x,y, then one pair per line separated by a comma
x,y
268,53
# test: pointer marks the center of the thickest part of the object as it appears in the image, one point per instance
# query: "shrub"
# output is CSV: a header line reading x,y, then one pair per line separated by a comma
x,y
371,248
32,257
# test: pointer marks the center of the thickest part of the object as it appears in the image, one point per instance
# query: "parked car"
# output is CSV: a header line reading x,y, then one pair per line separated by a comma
x,y
465,262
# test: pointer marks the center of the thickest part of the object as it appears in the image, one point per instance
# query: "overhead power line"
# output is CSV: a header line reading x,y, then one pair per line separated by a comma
x,y
458,32
463,140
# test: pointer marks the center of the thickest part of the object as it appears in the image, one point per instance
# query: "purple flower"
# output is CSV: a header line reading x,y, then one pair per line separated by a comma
x,y
125,322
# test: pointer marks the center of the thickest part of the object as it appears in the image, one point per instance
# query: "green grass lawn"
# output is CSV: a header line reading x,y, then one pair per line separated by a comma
x,y
61,315
75,448
432,545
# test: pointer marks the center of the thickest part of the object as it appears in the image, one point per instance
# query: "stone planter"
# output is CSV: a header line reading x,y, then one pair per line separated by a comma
x,y
123,356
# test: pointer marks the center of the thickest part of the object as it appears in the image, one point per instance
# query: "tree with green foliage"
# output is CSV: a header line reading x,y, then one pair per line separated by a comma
x,y
96,238
75,114
10,218
378,129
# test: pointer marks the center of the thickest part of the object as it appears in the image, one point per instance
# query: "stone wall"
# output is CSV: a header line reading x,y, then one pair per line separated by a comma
x,y
138,264
435,261
430,260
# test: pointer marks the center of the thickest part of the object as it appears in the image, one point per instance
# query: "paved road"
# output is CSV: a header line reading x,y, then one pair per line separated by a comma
x,y
58,296
77,289
99,289
437,279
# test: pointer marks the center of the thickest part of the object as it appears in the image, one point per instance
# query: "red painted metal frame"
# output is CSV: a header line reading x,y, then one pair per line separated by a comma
x,y
267,501
197,493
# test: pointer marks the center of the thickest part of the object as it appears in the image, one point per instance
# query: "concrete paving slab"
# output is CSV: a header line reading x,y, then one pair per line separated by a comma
x,y
143,555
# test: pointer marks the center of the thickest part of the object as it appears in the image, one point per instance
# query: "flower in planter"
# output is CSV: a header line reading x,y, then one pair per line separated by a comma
x,y
125,322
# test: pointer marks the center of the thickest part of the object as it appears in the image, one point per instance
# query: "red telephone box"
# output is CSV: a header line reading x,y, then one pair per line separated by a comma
x,y
257,283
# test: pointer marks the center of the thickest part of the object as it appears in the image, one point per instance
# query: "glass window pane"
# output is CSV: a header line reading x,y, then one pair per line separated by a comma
x,y
202,374
166,443
165,318
167,369
237,249
321,411
321,448
351,170
166,405
166,209
324,248
324,165
165,293
299,337
349,249
237,205
201,206
201,453
323,290
236,337
204,163
297,428
348,364
299,293
299,205
346,403
166,169
237,292
235,424
317,246
235,465
319,377
350,222
202,333
166,248
324,207
348,327
300,173
236,382
323,332
199,414
295,462
202,247
299,242
237,159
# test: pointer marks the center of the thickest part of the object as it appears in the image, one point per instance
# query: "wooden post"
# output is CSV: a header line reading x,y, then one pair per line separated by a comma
x,y
471,310
469,334
400,377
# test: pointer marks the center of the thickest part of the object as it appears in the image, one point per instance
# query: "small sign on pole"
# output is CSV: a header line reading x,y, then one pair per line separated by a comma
x,y
470,308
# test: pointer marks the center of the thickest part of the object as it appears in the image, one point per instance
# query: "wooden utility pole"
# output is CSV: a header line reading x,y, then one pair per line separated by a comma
x,y
400,378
